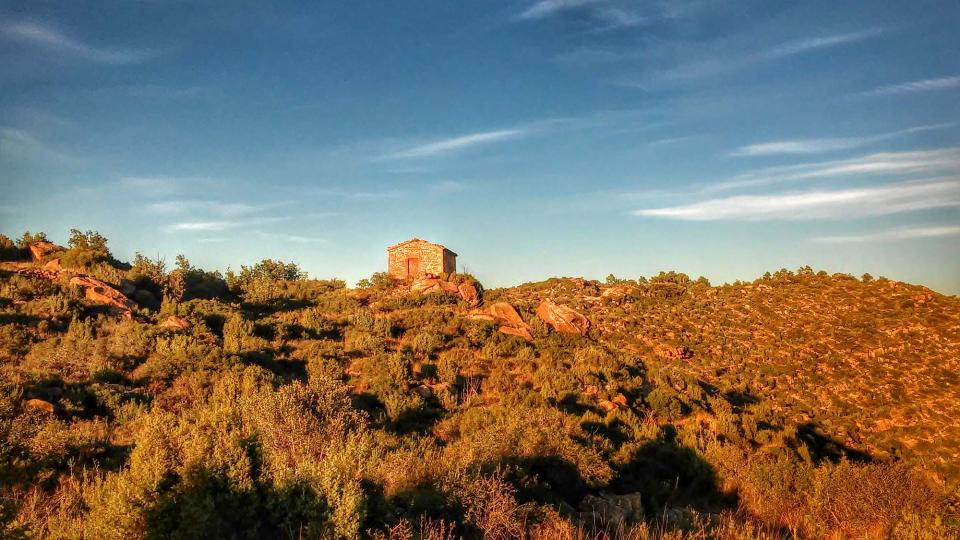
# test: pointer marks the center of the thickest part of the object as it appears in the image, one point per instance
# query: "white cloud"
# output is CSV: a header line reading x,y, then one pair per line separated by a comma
x,y
448,186
901,233
605,15
21,145
922,161
822,204
297,239
812,44
925,85
51,38
816,146
720,65
217,207
547,8
456,144
220,225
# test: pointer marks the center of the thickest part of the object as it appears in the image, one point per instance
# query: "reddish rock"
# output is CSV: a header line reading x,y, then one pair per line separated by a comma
x,y
562,318
519,331
42,250
620,400
101,293
673,353
468,292
425,286
39,405
53,265
510,321
505,313
175,323
607,405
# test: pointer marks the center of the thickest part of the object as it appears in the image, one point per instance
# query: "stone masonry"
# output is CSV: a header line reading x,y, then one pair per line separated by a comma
x,y
417,258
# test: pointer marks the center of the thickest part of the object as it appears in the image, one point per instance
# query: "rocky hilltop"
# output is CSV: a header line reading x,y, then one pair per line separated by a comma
x,y
139,400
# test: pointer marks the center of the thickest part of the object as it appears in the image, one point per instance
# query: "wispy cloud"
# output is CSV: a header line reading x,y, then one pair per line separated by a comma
x,y
900,233
817,146
221,208
601,14
456,144
294,238
52,39
925,85
885,163
448,186
221,225
813,44
821,204
21,145
721,65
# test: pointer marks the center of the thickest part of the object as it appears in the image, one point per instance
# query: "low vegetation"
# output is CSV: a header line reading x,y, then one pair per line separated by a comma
x,y
800,405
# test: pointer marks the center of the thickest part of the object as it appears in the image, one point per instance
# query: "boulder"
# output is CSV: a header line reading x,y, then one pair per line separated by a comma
x,y
562,318
519,331
175,323
102,293
505,313
39,405
510,321
42,250
465,291
425,285
53,265
468,292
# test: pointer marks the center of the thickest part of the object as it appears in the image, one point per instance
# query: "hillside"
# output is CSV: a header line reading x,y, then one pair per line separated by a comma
x,y
143,401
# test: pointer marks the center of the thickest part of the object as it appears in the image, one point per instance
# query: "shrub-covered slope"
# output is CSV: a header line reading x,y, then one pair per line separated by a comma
x,y
263,404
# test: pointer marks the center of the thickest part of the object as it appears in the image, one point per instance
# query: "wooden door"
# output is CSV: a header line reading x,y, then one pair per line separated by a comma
x,y
413,267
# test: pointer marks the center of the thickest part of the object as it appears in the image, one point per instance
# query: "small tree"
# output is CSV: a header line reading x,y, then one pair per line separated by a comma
x,y
86,249
30,238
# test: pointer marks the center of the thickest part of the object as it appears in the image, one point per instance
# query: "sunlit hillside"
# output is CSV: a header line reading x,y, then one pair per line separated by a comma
x,y
154,399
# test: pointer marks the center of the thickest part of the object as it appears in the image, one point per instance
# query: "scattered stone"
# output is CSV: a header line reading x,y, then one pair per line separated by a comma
x,y
39,405
673,353
620,400
607,405
53,265
562,318
175,323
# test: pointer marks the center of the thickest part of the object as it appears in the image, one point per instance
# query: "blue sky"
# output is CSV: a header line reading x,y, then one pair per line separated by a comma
x,y
535,138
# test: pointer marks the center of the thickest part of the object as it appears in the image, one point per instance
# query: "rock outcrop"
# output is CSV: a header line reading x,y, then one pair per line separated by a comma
x,y
466,291
102,293
41,250
562,318
510,321
175,323
39,405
